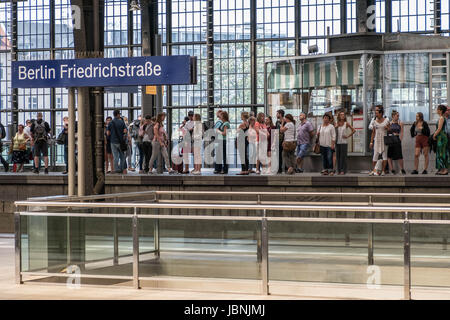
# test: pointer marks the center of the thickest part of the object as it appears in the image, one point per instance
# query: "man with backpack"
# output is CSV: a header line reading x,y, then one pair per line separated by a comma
x,y
117,130
3,136
40,131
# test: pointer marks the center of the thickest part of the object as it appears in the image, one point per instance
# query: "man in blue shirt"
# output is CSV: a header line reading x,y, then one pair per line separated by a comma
x,y
117,131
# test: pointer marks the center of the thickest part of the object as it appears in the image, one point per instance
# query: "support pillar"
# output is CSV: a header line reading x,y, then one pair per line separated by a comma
x,y
365,16
149,25
71,136
83,114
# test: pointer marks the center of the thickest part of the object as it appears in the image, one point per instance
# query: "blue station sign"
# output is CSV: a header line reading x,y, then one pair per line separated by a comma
x,y
108,72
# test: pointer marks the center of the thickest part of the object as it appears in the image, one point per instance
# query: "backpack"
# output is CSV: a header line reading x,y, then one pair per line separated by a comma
x,y
134,130
40,133
149,131
2,132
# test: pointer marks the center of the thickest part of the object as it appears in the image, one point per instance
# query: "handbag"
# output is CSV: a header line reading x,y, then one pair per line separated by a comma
x,y
391,140
62,138
316,148
289,146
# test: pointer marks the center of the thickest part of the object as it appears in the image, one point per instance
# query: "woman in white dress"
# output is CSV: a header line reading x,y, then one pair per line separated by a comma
x,y
380,128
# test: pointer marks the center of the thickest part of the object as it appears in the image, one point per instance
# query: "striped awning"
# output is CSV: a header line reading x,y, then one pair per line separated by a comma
x,y
295,75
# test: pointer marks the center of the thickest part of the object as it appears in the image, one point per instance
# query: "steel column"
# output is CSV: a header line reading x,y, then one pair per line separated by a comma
x,y
14,57
265,256
149,28
343,16
210,60
116,238
156,237
253,56
437,16
370,246
388,16
135,250
71,137
53,147
83,114
297,9
18,248
407,259
99,187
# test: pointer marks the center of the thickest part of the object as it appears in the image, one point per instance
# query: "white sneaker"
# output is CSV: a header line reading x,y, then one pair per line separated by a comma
x,y
383,173
197,173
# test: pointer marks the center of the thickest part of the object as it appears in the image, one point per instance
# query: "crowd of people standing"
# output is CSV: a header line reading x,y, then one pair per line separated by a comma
x,y
263,147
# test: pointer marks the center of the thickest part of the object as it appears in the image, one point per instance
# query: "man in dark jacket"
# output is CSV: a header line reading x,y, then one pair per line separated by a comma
x,y
117,130
40,131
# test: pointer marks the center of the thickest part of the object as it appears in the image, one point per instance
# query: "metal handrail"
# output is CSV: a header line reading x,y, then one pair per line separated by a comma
x,y
252,207
232,218
328,194
255,193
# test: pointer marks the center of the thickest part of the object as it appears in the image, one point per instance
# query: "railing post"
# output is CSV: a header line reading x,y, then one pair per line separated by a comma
x,y
18,248
407,258
265,255
116,238
135,224
156,238
370,245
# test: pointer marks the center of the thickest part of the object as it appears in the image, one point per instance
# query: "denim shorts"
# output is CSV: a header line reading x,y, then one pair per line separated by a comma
x,y
302,150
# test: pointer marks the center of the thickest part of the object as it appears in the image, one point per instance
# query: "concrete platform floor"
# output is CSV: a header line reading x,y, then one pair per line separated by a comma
x,y
10,291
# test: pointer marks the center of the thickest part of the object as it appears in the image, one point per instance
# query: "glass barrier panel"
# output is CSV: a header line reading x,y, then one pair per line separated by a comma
x,y
430,256
76,244
200,248
388,248
318,252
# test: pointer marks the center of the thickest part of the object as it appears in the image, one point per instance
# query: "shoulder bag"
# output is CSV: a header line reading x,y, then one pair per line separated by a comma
x,y
391,140
316,149
290,146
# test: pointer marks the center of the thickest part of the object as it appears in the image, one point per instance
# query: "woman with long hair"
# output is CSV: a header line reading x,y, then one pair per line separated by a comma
x,y
289,144
421,131
223,130
160,144
269,125
440,136
252,144
342,127
261,135
380,128
395,151
242,144
327,142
